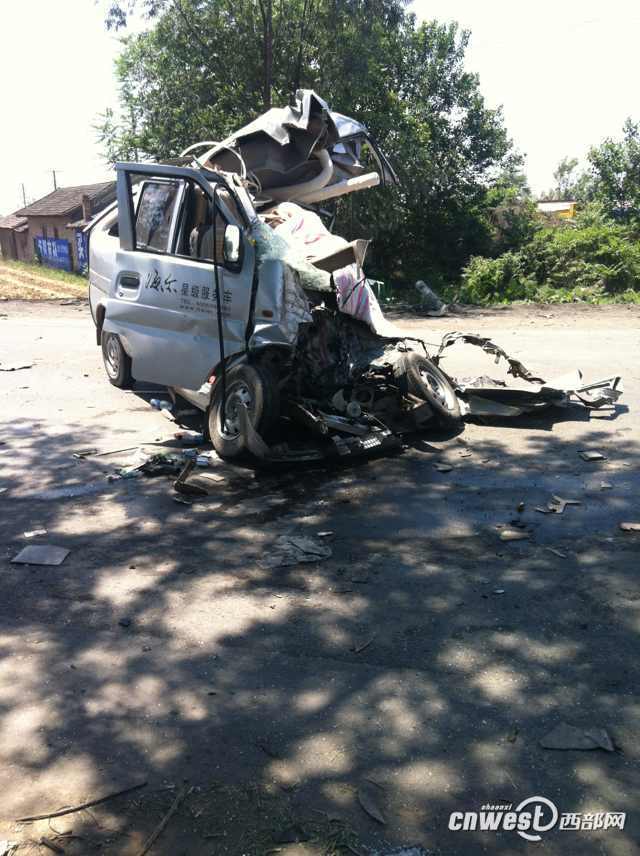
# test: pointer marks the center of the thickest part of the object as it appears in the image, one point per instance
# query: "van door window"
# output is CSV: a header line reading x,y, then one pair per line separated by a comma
x,y
156,210
196,233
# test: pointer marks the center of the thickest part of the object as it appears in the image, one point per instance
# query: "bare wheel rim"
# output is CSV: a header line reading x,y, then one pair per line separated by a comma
x,y
238,396
112,356
439,389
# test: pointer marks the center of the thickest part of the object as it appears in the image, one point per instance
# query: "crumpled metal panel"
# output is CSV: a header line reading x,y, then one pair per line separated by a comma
x,y
484,396
516,368
277,147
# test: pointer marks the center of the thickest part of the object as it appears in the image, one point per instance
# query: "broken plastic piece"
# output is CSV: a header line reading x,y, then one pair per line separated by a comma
x,y
557,505
588,455
513,535
41,554
292,550
565,736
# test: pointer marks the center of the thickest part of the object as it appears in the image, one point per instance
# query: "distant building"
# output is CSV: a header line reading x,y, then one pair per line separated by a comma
x,y
564,209
14,238
54,223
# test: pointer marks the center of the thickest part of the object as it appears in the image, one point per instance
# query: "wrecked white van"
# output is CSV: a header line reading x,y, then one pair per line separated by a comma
x,y
218,278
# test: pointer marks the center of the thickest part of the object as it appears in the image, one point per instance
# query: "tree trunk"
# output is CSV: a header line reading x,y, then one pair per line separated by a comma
x,y
296,78
266,9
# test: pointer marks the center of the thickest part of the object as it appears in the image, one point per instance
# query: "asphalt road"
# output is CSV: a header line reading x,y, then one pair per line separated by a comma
x,y
425,655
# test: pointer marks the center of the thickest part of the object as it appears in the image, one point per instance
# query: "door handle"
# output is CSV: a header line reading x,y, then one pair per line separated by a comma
x,y
129,281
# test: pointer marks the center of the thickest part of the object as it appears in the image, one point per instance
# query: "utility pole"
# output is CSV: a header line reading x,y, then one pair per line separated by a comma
x,y
24,196
55,183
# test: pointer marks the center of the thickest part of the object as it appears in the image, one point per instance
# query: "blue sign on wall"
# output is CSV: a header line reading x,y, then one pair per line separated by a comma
x,y
82,250
54,252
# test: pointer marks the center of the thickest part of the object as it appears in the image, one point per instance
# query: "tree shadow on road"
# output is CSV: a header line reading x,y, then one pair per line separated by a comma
x,y
425,655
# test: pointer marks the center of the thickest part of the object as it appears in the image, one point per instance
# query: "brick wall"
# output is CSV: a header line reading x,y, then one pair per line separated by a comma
x,y
35,230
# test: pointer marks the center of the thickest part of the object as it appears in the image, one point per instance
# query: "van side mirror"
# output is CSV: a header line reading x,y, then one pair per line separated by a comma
x,y
232,244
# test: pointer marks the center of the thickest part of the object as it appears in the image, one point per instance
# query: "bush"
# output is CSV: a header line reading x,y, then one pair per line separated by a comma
x,y
593,259
496,280
586,256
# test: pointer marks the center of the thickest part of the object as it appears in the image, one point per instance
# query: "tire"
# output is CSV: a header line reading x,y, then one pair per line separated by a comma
x,y
421,377
117,363
254,386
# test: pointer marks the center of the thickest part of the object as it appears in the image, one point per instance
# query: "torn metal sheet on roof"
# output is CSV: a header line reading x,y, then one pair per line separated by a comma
x,y
304,151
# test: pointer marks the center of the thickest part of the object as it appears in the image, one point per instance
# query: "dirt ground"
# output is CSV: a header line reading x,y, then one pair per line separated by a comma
x,y
29,282
413,672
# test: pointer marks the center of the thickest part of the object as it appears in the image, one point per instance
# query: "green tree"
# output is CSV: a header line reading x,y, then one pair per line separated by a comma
x,y
206,67
615,169
571,182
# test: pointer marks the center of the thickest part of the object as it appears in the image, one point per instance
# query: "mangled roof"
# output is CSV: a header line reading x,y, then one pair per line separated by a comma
x,y
305,152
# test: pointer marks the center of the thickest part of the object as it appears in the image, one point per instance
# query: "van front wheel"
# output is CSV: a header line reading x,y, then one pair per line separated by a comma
x,y
250,386
422,378
117,362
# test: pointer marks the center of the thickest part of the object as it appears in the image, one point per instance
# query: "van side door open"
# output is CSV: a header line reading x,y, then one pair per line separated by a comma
x,y
162,300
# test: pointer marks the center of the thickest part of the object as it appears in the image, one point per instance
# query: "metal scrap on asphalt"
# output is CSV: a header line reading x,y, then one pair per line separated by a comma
x,y
565,736
41,554
588,455
370,797
295,549
514,535
557,505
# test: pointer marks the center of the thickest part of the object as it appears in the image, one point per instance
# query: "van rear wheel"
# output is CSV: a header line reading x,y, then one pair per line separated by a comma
x,y
250,386
117,363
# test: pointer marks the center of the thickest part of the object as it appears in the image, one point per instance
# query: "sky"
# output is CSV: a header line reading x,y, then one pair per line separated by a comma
x,y
56,73
567,73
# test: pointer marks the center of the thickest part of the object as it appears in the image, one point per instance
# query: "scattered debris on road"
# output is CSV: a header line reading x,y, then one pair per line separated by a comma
x,y
41,554
74,808
51,845
588,455
565,736
295,549
163,823
189,438
34,533
431,304
557,505
358,649
369,797
514,535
